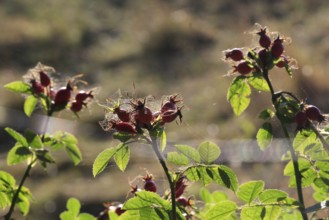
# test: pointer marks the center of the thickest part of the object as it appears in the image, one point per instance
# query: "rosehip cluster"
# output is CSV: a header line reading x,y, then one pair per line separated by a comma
x,y
268,54
42,86
134,115
306,115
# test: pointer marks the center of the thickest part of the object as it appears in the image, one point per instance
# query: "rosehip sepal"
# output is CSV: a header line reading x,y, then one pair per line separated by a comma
x,y
264,39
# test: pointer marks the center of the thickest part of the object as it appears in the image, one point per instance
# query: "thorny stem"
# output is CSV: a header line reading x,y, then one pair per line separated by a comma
x,y
294,158
166,170
19,189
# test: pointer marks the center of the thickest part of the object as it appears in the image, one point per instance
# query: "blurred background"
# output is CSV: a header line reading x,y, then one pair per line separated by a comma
x,y
161,47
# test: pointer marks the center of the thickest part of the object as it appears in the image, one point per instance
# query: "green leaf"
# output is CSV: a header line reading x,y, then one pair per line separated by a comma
x,y
307,171
29,105
144,199
102,160
303,139
73,205
74,153
122,137
199,173
253,213
163,140
23,204
249,191
225,176
148,213
209,151
122,156
205,195
18,154
86,216
272,196
17,136
221,210
177,159
266,114
258,82
4,200
19,86
44,157
189,152
33,139
238,95
264,135
7,180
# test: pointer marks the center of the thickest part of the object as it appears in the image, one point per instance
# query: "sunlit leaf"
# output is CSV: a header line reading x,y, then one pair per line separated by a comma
x,y
272,196
102,160
249,191
74,153
33,139
238,95
264,135
122,156
19,86
18,154
208,151
17,136
189,152
29,104
258,82
266,114
145,199
221,210
177,159
225,176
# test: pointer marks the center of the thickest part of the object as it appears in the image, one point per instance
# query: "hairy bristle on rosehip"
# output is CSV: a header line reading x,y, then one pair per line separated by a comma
x,y
44,79
149,184
313,113
277,47
243,68
264,39
235,54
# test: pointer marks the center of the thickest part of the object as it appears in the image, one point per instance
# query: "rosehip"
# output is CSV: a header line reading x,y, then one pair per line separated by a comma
x,y
149,184
301,120
123,127
76,106
44,79
283,62
180,186
264,40
82,96
123,115
63,95
171,115
37,87
183,201
235,54
118,210
142,113
171,104
314,114
277,47
243,68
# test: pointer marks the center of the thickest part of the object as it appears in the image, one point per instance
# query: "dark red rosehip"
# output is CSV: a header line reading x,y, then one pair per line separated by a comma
x,y
301,120
263,57
37,88
123,115
183,201
143,115
180,186
283,62
171,104
118,210
235,54
62,96
44,79
170,115
264,39
149,184
314,114
277,47
82,96
243,68
76,106
123,127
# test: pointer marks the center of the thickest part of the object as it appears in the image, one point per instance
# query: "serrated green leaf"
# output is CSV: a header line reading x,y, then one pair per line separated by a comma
x,y
7,180
225,176
264,135
44,157
303,165
19,86
102,160
177,159
221,210
253,213
122,156
258,82
322,165
17,136
238,95
272,196
23,204
29,105
33,139
208,151
249,191
266,114
303,139
144,199
74,153
199,173
189,152
18,154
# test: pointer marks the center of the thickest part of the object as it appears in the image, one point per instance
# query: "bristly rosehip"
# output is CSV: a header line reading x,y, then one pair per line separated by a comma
x,y
235,54
264,39
180,186
277,47
149,184
243,68
63,95
283,62
82,96
44,79
171,104
76,106
124,127
170,115
301,120
142,114
122,114
314,114
37,88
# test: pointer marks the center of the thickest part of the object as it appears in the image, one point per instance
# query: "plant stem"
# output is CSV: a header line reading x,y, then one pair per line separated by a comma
x,y
19,189
166,170
294,158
